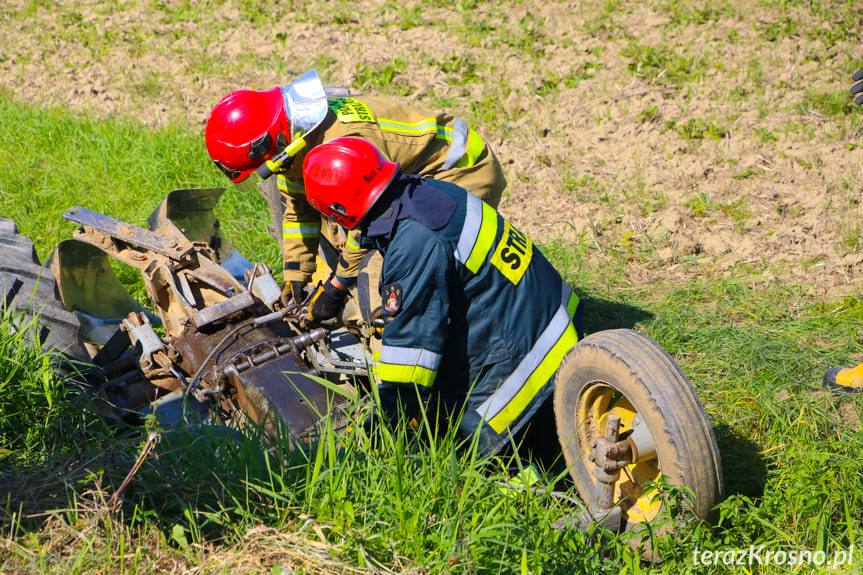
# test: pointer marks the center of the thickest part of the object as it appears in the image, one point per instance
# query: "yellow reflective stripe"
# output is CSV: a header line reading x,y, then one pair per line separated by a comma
x,y
408,365
474,149
415,374
301,229
485,239
411,356
373,366
287,186
352,243
477,233
444,133
426,126
572,304
536,381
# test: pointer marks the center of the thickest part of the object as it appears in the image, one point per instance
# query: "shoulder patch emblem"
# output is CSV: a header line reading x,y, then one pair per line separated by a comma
x,y
392,298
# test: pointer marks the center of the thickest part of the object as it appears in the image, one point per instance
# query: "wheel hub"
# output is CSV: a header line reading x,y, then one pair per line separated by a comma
x,y
601,408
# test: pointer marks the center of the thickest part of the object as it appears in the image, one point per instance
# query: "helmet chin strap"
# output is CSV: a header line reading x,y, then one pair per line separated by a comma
x,y
339,209
281,142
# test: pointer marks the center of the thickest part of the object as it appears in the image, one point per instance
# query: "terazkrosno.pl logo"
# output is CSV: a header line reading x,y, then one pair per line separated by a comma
x,y
764,555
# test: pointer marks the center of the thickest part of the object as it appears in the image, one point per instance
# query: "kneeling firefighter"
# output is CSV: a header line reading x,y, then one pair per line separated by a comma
x,y
474,314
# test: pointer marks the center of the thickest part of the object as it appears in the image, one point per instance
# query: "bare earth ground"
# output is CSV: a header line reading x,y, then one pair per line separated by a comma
x,y
581,117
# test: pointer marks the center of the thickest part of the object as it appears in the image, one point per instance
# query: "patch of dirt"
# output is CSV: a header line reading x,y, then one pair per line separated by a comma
x,y
849,415
688,140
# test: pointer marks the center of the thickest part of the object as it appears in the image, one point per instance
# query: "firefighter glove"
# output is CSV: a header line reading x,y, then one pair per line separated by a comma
x,y
858,87
293,292
377,322
326,302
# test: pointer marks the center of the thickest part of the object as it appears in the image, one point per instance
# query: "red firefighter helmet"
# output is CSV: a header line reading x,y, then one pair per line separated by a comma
x,y
345,177
245,129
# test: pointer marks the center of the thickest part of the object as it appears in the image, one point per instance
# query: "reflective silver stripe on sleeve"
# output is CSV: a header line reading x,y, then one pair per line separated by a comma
x,y
410,356
470,229
458,146
513,384
566,295
352,243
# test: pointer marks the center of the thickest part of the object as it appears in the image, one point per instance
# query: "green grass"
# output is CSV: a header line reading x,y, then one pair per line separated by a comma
x,y
113,167
40,416
385,79
372,500
662,64
757,366
697,129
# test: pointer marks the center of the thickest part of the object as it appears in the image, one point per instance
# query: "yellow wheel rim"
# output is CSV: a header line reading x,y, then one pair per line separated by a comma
x,y
595,404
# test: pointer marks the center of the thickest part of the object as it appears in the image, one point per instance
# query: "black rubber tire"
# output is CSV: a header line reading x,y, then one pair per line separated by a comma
x,y
617,365
25,285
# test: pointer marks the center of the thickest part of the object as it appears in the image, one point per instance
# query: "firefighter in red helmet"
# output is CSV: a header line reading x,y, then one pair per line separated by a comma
x,y
244,129
457,283
247,129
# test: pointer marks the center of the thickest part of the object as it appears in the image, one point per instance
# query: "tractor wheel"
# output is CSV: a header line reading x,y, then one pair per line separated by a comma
x,y
28,287
628,374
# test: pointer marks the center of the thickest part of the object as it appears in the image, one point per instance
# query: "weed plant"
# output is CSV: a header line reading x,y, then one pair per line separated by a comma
x,y
40,414
380,500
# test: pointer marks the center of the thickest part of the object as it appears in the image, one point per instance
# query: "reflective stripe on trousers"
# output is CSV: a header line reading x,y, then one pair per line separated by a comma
x,y
287,186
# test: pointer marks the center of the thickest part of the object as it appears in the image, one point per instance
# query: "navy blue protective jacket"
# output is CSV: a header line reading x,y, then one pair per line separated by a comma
x,y
473,312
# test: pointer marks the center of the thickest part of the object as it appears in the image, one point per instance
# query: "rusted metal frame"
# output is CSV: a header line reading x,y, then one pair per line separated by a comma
x,y
243,360
605,453
129,243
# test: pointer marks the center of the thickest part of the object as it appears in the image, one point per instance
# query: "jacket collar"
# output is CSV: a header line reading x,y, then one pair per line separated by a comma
x,y
409,198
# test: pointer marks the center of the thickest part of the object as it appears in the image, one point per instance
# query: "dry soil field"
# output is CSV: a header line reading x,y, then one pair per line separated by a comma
x,y
691,138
